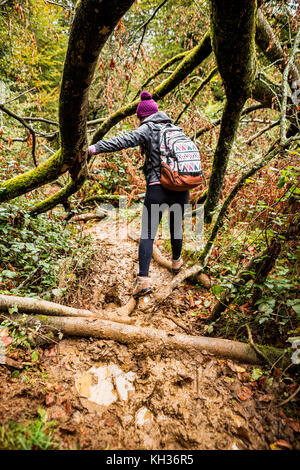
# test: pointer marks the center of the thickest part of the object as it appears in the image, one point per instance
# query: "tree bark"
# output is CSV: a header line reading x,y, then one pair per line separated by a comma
x,y
43,307
130,334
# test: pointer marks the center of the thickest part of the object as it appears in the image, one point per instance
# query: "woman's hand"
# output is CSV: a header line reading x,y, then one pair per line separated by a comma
x,y
92,150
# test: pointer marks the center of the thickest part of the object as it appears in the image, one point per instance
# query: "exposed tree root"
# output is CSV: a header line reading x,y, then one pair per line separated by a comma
x,y
152,302
43,307
163,261
128,334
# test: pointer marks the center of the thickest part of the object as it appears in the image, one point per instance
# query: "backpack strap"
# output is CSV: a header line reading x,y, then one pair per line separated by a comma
x,y
153,166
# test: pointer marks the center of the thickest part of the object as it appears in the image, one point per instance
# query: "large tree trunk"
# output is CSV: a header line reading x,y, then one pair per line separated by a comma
x,y
234,48
93,23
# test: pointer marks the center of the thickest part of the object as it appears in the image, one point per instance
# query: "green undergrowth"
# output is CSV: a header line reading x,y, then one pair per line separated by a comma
x,y
37,434
36,253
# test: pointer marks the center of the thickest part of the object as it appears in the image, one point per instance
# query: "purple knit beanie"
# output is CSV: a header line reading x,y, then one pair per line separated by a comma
x,y
146,106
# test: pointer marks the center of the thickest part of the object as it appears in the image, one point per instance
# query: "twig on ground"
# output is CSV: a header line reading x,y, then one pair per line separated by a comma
x,y
284,402
256,349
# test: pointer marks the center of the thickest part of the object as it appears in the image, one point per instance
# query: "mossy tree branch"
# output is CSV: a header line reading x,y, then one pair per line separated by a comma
x,y
190,61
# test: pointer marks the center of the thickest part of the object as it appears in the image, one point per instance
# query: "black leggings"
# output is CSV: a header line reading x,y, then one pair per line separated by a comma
x,y
157,200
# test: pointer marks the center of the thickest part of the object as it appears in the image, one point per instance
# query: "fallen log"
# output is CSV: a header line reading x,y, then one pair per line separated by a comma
x,y
129,334
44,307
98,214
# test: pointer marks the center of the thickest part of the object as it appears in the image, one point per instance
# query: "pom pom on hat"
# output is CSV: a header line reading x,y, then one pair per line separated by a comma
x,y
146,106
145,95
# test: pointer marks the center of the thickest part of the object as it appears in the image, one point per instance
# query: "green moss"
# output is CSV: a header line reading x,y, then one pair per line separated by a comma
x,y
58,198
273,354
42,317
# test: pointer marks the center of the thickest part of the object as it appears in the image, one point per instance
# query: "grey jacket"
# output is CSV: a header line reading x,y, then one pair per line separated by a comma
x,y
147,136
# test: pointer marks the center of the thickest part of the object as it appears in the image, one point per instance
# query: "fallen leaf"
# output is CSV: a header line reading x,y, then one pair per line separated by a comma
x,y
108,422
245,377
262,381
266,398
240,369
277,372
68,407
280,444
244,394
3,332
49,400
50,352
13,355
295,425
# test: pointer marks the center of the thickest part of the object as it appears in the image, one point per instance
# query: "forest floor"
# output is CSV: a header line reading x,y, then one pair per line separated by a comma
x,y
175,400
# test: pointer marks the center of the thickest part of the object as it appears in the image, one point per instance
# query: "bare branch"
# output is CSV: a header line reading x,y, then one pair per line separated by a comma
x,y
31,131
39,119
206,80
144,27
58,5
261,132
215,123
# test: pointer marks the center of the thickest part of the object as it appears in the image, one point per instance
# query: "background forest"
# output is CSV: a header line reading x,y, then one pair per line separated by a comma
x,y
252,260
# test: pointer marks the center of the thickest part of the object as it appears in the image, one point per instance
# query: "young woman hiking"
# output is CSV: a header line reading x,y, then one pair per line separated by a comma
x,y
157,198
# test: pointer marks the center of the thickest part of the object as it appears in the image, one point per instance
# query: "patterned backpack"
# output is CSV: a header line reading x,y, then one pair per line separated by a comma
x,y
180,159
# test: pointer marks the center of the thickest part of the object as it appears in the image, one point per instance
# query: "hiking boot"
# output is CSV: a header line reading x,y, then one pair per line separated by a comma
x,y
177,265
142,286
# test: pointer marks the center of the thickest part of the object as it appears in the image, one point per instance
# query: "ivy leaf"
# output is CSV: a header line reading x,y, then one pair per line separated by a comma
x,y
281,182
9,274
217,290
256,374
35,356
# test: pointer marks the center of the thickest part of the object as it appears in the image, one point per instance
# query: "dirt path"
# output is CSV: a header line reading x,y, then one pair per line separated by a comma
x,y
159,399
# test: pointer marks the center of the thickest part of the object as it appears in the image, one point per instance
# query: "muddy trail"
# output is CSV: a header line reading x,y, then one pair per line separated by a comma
x,y
107,395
